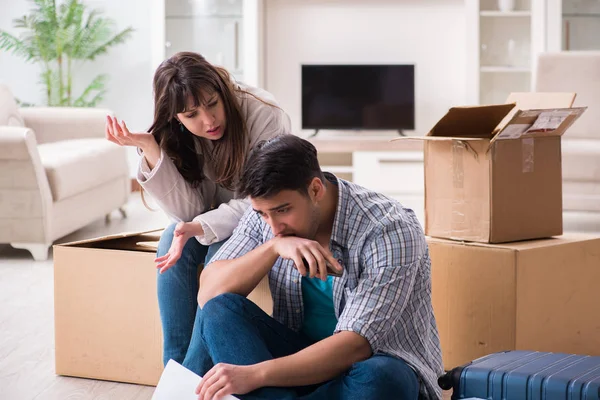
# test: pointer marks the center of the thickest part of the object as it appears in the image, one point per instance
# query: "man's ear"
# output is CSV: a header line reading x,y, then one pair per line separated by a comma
x,y
316,189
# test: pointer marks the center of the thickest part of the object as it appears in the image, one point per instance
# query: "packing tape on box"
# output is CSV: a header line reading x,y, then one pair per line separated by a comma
x,y
527,153
460,150
458,181
458,171
459,147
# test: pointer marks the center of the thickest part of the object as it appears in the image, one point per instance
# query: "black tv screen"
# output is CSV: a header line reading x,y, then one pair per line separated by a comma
x,y
358,97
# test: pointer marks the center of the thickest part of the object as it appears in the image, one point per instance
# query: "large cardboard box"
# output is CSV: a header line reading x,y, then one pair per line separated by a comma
x,y
107,323
533,295
493,173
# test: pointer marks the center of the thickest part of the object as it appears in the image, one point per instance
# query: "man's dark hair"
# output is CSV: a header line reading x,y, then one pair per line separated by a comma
x,y
285,162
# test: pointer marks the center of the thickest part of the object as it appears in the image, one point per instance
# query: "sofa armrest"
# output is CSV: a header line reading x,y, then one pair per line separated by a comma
x,y
52,124
25,197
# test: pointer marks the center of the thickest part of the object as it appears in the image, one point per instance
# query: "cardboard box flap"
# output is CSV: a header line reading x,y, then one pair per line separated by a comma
x,y
438,138
536,101
539,123
111,237
554,122
150,245
471,122
523,244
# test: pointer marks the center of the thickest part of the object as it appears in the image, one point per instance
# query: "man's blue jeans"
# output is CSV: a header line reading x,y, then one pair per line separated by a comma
x,y
231,329
178,294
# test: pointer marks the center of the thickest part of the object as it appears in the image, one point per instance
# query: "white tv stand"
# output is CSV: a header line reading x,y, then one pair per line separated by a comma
x,y
315,133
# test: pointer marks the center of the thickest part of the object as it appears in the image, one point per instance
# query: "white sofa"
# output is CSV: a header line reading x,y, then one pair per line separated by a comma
x,y
577,71
57,173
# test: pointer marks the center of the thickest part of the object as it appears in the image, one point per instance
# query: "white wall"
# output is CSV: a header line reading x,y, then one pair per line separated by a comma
x,y
130,66
428,33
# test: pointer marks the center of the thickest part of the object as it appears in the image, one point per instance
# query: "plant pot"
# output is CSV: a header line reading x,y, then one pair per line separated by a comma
x,y
506,5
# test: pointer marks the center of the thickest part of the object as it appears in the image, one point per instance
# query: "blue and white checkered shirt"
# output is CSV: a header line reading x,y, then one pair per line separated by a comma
x,y
384,294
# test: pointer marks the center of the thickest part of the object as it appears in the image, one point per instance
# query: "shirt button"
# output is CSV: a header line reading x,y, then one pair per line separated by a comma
x,y
297,310
295,280
340,261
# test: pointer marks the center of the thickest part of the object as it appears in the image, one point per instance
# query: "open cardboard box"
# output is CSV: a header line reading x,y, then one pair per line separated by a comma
x,y
493,173
107,323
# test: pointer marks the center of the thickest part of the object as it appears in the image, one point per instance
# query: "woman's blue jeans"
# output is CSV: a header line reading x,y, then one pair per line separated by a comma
x,y
178,294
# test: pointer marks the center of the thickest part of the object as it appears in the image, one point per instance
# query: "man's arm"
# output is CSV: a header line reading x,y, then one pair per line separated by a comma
x,y
315,364
318,363
239,275
244,260
240,264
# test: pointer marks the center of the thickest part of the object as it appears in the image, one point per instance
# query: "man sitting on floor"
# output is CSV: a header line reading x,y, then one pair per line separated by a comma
x,y
369,333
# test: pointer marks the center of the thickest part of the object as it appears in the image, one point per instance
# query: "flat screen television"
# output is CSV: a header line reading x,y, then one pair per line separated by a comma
x,y
370,97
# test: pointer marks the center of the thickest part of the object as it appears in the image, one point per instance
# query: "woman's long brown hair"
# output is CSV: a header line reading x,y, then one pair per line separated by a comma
x,y
186,76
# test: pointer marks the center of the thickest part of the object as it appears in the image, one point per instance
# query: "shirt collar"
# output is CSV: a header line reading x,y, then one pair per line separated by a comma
x,y
340,228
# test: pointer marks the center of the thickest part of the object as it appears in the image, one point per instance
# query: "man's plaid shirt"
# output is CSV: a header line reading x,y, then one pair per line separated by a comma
x,y
384,294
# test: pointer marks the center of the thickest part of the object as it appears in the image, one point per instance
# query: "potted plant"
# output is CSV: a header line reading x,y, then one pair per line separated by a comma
x,y
57,36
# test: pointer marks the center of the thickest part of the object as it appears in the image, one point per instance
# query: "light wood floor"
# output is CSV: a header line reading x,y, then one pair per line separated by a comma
x,y
27,321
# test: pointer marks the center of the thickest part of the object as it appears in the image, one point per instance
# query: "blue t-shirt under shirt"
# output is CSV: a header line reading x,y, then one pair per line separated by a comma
x,y
319,313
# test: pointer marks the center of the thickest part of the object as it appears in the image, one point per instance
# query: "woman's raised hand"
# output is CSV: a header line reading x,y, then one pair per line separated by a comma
x,y
117,132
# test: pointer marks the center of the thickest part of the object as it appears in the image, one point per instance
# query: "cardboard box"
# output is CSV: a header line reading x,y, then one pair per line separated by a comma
x,y
493,173
107,323
534,295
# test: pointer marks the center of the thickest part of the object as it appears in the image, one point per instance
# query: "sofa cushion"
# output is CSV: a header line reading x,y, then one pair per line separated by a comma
x,y
9,112
75,166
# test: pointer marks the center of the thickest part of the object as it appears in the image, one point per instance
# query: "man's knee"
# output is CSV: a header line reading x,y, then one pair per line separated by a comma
x,y
223,313
225,306
386,376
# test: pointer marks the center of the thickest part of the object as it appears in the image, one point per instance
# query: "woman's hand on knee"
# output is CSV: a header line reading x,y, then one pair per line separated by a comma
x,y
184,231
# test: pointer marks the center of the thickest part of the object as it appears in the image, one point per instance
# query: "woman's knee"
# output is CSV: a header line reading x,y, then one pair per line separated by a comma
x,y
192,251
166,238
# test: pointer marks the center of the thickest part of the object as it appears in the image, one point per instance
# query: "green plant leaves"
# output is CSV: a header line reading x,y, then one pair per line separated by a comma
x,y
57,36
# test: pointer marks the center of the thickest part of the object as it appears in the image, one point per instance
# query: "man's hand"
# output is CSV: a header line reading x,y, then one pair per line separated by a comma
x,y
184,231
298,249
227,379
